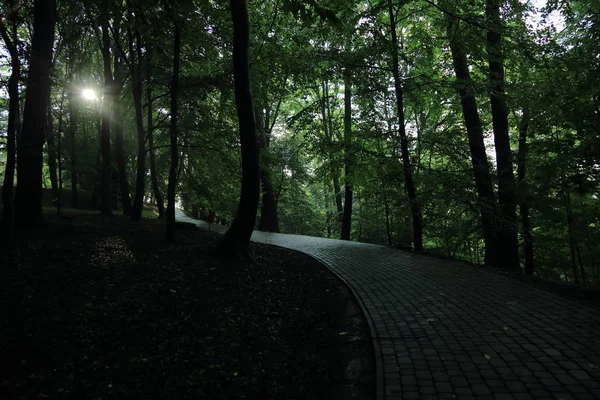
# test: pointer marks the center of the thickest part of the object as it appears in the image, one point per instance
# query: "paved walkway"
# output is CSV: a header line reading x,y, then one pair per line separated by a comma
x,y
445,330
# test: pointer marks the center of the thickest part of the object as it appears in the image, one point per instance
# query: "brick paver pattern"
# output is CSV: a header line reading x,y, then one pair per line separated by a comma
x,y
447,330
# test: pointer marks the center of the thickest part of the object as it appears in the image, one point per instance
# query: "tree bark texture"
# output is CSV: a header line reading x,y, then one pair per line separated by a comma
x,y
28,200
269,221
347,213
172,185
508,251
136,86
153,173
237,237
105,189
415,206
12,132
481,170
73,142
117,116
51,146
327,129
524,193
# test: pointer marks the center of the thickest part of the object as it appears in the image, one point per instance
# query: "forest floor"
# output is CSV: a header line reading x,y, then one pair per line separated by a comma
x,y
103,308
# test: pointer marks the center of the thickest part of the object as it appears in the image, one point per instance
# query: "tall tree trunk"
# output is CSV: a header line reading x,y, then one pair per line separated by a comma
x,y
172,185
328,130
387,218
572,243
347,213
105,191
121,160
481,170
59,151
508,251
51,143
72,136
525,200
117,116
269,222
97,164
153,173
12,132
28,200
136,80
237,237
415,206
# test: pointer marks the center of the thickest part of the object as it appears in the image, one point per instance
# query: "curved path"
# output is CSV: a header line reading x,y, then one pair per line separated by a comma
x,y
445,330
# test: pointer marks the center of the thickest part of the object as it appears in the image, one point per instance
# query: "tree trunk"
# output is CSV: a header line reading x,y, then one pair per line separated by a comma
x,y
136,85
415,206
12,132
105,191
72,136
508,251
170,233
59,151
347,213
98,165
525,200
572,243
28,201
481,170
387,220
51,143
120,154
153,173
237,237
121,161
269,222
327,129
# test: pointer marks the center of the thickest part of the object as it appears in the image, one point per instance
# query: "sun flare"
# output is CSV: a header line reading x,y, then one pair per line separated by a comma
x,y
88,94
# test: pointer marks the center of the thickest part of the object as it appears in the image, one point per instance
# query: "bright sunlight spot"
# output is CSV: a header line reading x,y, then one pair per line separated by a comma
x,y
88,94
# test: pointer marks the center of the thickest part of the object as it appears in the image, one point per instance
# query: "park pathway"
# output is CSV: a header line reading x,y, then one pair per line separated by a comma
x,y
446,330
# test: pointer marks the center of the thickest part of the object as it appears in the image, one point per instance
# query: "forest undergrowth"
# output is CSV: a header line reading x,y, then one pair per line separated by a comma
x,y
103,308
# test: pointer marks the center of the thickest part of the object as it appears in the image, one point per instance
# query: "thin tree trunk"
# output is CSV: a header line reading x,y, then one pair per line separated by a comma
x,y
153,173
51,143
387,220
327,129
415,206
72,135
121,160
59,152
508,252
238,235
136,78
106,176
572,244
12,132
28,200
269,221
525,201
347,213
98,165
172,185
481,170
120,141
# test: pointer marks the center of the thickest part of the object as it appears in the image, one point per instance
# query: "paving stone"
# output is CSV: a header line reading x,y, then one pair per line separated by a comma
x,y
515,386
443,387
438,317
503,397
480,390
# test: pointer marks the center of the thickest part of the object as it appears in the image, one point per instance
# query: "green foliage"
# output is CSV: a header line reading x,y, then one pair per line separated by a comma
x,y
298,53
